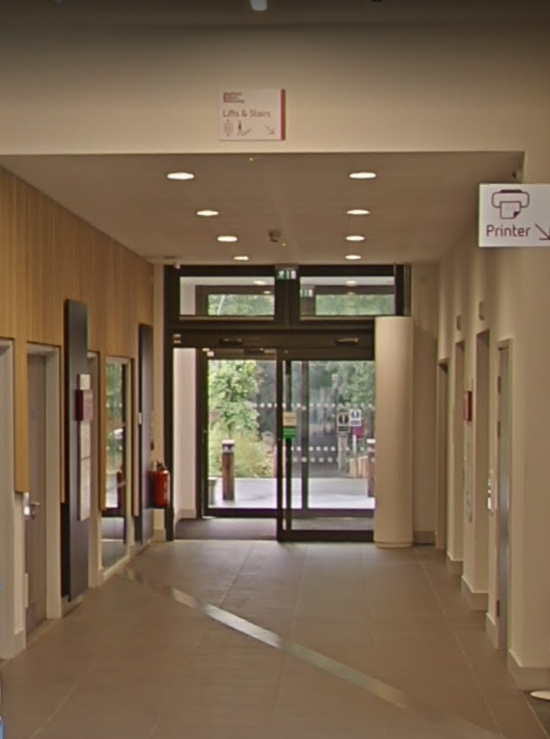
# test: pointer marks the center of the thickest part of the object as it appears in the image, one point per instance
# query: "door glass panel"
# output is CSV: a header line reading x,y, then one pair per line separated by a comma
x,y
353,295
328,466
113,525
238,297
241,433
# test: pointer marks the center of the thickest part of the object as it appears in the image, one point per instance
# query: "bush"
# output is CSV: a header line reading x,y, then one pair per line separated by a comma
x,y
252,458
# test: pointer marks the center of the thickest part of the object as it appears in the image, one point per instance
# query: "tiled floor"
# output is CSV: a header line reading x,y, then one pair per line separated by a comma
x,y
368,643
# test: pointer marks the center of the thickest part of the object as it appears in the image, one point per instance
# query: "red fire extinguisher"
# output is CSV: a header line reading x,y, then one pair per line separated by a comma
x,y
160,478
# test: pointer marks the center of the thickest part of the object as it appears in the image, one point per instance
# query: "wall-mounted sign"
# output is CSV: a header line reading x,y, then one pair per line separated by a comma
x,y
514,215
252,115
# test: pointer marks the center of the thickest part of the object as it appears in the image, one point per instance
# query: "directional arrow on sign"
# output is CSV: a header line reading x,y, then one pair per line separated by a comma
x,y
546,235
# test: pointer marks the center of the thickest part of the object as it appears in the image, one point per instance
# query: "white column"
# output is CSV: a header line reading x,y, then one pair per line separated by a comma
x,y
393,518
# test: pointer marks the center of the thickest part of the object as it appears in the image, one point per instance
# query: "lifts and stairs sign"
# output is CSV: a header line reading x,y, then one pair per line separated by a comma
x,y
514,215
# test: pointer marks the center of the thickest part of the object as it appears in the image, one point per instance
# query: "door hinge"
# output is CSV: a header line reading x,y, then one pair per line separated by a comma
x,y
498,429
497,610
499,384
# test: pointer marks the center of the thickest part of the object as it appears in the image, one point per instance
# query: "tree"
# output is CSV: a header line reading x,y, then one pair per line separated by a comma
x,y
232,386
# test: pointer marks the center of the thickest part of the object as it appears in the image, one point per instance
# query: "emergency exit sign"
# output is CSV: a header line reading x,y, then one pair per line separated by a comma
x,y
286,273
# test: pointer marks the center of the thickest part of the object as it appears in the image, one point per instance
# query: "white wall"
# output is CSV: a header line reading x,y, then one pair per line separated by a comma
x,y
394,352
349,89
424,295
185,413
513,284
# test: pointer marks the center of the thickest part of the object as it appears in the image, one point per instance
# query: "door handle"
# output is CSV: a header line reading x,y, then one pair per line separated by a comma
x,y
29,506
348,340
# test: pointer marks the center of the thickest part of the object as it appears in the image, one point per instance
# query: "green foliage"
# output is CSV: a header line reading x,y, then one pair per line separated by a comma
x,y
232,388
354,304
252,457
240,304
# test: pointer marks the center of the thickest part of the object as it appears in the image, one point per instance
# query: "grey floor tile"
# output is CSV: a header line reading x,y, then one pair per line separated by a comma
x,y
130,662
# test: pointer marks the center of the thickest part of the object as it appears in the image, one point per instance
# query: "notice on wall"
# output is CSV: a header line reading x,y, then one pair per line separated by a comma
x,y
252,115
514,215
84,471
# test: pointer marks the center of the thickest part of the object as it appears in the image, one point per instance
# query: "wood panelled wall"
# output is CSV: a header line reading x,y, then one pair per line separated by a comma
x,y
49,255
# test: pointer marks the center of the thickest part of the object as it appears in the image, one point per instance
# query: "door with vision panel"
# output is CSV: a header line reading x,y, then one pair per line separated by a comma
x,y
35,504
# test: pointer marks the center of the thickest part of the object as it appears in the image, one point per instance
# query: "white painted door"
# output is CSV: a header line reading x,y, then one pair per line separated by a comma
x,y
503,495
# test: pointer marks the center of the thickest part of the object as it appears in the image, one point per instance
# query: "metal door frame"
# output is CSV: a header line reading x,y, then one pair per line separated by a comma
x,y
346,350
52,357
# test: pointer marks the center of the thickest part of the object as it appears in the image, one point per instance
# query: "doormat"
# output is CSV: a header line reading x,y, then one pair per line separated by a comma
x,y
253,529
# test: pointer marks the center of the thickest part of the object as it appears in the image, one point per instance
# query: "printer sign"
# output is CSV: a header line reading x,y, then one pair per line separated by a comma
x,y
511,215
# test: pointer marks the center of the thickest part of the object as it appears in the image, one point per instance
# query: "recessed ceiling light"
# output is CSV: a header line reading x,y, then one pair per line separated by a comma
x,y
258,5
353,257
259,282
180,176
363,175
355,237
241,258
267,292
227,238
207,213
358,212
351,283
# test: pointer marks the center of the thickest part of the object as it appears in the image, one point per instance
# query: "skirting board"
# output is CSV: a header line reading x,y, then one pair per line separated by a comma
x,y
19,641
491,630
454,566
424,537
528,678
476,601
185,513
393,544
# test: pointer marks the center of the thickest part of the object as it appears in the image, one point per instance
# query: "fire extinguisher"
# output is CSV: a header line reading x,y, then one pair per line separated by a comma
x,y
161,486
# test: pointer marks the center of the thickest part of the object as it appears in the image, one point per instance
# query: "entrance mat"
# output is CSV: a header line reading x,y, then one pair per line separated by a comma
x,y
263,529
226,528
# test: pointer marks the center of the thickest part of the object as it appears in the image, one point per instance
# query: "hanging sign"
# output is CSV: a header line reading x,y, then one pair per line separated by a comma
x,y
252,115
514,215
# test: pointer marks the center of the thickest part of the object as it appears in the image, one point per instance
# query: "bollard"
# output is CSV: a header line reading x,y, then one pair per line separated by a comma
x,y
228,469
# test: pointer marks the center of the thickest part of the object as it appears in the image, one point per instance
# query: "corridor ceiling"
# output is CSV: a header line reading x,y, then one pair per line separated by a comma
x,y
280,12
420,204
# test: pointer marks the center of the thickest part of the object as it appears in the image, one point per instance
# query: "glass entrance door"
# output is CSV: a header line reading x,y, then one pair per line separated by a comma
x,y
241,433
326,447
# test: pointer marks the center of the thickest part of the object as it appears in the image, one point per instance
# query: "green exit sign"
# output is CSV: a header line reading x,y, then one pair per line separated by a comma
x,y
286,273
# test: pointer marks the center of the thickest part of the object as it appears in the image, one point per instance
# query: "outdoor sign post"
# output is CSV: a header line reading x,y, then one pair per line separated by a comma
x,y
355,422
289,425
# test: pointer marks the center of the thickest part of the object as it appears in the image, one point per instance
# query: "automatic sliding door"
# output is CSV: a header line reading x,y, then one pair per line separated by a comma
x,y
327,448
